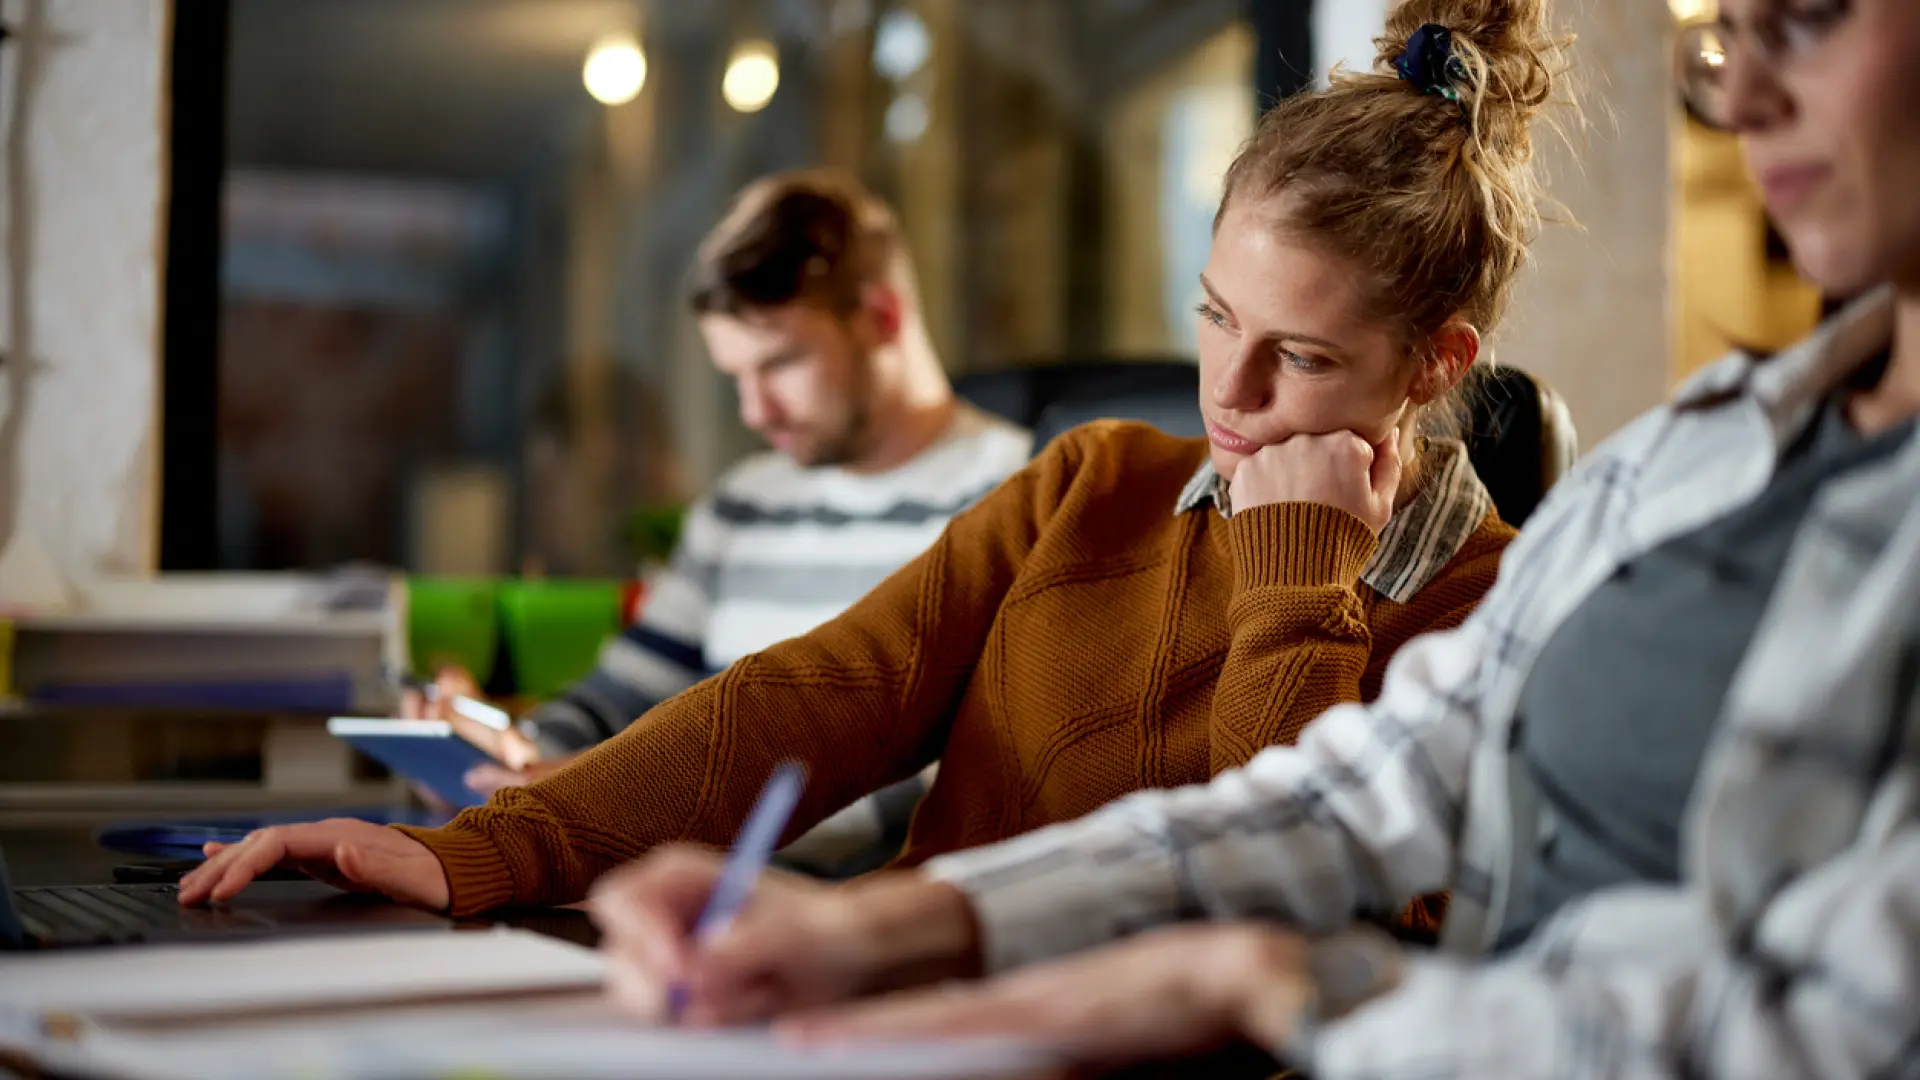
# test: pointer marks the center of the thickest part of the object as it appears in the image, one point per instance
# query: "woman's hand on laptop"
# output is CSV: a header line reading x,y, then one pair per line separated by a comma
x,y
1342,470
797,943
346,853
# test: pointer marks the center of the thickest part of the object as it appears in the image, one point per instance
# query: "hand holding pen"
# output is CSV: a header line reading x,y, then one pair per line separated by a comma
x,y
743,867
683,944
452,688
453,696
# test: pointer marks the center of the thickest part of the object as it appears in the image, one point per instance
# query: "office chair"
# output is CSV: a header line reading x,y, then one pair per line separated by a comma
x,y
1519,434
1159,390
1520,438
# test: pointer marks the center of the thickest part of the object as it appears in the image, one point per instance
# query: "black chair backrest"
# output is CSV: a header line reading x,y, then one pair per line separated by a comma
x,y
1175,414
1519,435
1025,392
1053,398
1520,438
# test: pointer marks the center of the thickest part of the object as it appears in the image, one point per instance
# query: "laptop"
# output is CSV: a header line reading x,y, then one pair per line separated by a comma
x,y
65,916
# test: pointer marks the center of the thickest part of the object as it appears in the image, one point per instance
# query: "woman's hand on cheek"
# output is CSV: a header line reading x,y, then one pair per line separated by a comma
x,y
1341,470
1169,993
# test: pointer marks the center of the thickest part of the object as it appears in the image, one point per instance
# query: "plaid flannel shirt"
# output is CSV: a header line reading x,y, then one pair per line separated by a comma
x,y
1791,946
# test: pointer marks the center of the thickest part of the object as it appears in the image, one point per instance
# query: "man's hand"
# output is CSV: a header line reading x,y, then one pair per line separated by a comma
x,y
508,747
1341,470
1173,992
451,682
343,852
796,944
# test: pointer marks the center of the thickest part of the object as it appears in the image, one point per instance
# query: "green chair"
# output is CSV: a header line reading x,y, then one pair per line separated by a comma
x,y
555,629
453,621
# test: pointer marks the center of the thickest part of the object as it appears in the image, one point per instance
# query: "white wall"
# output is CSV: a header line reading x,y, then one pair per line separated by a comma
x,y
1343,33
82,94
1593,315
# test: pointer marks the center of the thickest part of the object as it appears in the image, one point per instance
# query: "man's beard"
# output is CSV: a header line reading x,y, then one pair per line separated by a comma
x,y
844,446
852,439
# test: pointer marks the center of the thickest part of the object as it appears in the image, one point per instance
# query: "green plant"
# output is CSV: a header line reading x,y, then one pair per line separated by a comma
x,y
650,532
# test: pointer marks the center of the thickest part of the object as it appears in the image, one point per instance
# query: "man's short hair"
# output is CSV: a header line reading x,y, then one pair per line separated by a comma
x,y
813,236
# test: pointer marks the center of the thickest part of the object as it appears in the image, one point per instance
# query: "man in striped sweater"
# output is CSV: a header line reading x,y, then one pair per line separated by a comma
x,y
805,297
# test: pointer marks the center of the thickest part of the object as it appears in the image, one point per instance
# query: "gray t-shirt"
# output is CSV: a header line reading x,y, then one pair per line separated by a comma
x,y
1617,712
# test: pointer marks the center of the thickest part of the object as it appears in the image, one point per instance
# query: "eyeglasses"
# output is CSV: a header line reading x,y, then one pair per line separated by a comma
x,y
1700,56
1775,38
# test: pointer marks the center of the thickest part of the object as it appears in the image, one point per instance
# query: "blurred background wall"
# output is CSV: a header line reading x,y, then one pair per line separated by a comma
x,y
439,279
82,195
1594,314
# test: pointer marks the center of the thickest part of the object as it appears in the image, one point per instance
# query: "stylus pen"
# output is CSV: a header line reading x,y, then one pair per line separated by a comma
x,y
472,708
752,851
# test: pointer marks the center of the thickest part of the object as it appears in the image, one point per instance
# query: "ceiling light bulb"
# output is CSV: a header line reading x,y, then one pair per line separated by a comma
x,y
901,44
907,118
616,69
753,74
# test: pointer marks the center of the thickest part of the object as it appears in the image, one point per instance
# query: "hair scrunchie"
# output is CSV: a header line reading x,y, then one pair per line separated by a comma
x,y
1429,64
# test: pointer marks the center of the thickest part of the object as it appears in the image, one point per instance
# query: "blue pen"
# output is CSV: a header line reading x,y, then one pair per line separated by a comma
x,y
752,850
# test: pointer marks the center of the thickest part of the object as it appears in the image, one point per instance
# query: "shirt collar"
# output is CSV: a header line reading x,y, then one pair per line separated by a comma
x,y
1423,536
1790,385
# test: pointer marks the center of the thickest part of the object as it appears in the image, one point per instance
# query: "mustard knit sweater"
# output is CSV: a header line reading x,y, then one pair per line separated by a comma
x,y
1068,640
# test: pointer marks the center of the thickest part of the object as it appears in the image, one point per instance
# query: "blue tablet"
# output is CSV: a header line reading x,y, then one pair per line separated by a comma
x,y
428,752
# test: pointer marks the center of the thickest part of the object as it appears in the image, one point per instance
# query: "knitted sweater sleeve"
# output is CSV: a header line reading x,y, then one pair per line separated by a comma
x,y
1305,635
863,701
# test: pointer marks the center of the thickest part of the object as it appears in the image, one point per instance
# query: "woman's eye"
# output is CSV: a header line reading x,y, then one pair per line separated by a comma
x,y
1298,362
1212,314
1803,27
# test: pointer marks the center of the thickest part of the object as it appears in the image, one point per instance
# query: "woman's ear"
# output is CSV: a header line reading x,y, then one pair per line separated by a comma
x,y
1454,348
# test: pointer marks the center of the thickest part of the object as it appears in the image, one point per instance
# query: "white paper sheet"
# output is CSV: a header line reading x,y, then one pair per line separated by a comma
x,y
513,1050
125,998
327,970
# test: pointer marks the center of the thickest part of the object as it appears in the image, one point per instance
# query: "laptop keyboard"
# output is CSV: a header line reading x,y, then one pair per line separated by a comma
x,y
115,914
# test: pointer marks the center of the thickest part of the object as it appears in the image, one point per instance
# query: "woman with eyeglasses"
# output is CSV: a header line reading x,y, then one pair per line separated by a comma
x,y
1670,770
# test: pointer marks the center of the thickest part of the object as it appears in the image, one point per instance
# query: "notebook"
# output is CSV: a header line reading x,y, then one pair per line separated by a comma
x,y
505,1046
181,981
428,752
503,1004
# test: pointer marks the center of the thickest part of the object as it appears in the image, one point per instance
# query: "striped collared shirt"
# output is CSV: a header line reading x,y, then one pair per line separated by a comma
x,y
1424,534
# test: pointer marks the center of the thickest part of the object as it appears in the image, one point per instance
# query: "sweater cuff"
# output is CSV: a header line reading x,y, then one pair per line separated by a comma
x,y
478,876
1298,543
